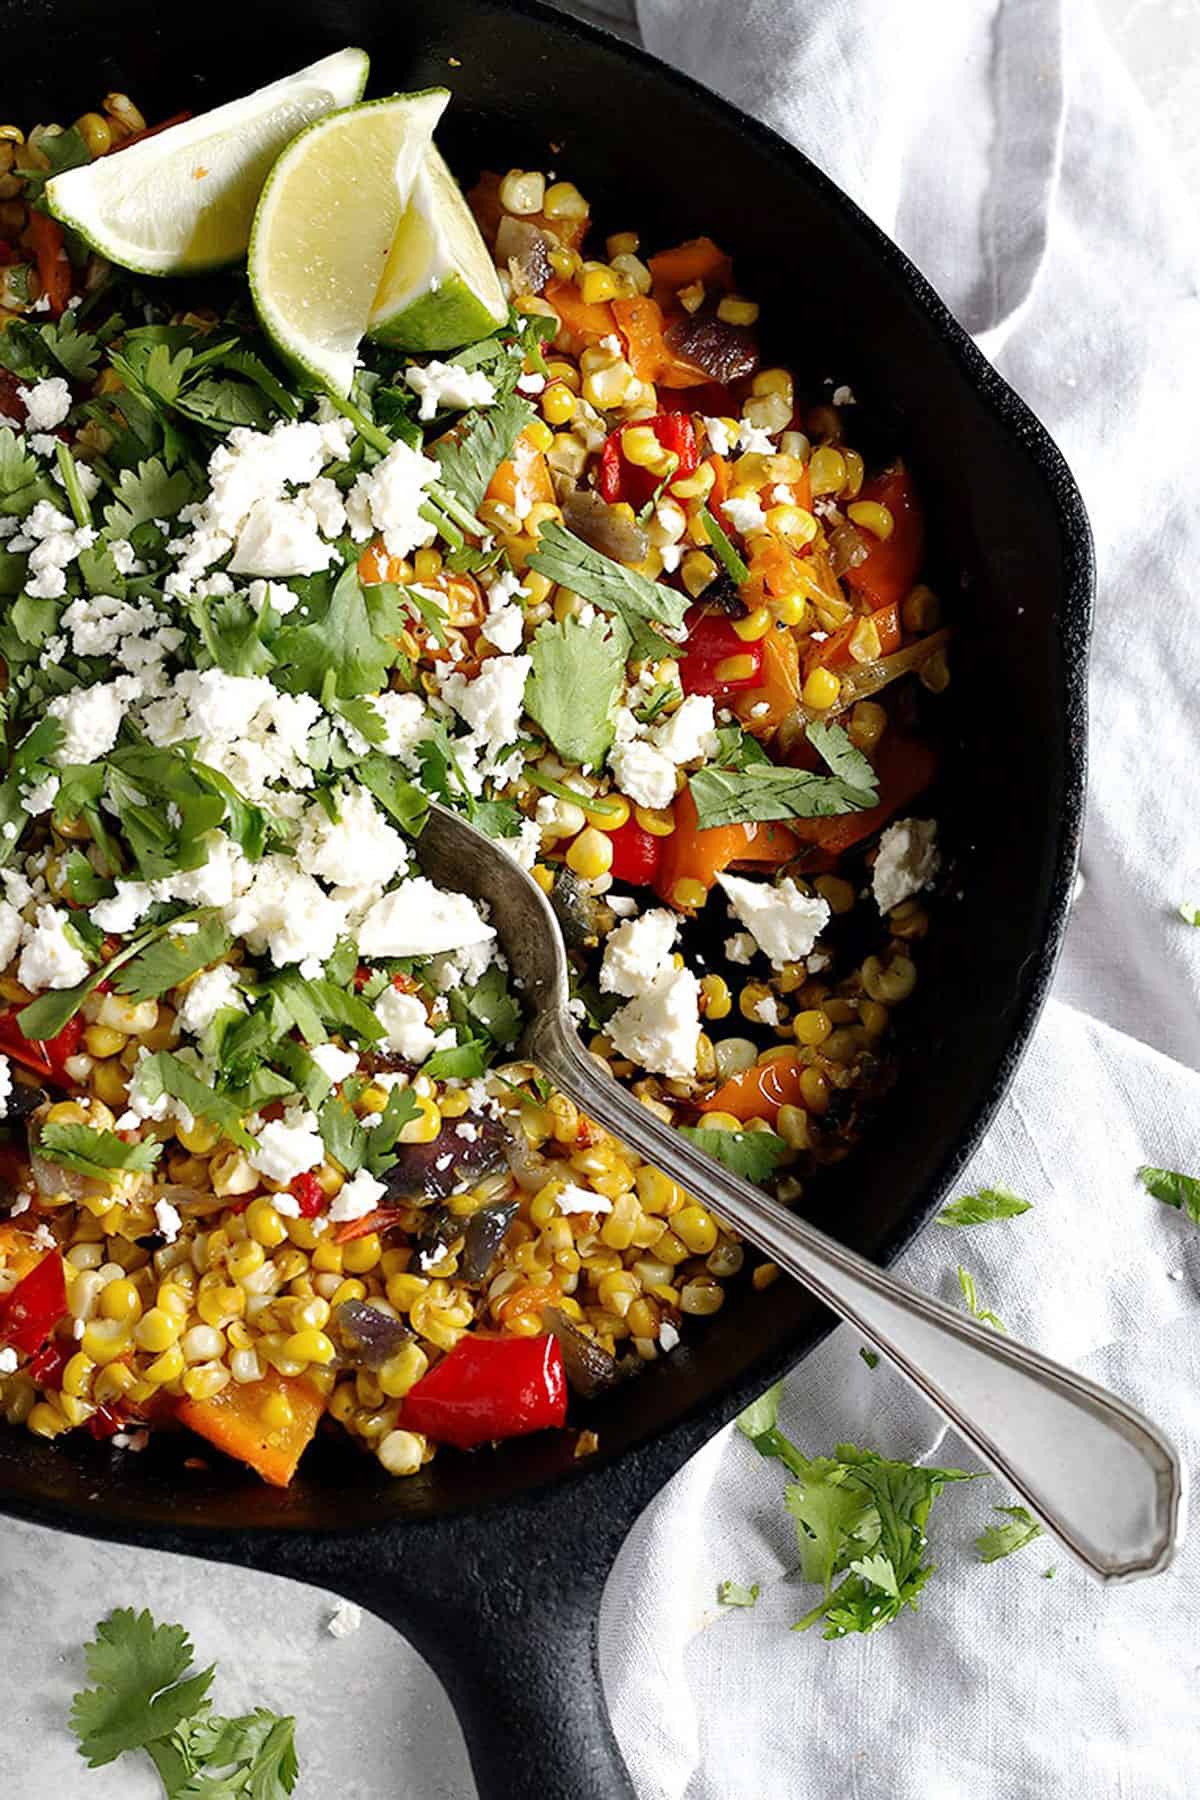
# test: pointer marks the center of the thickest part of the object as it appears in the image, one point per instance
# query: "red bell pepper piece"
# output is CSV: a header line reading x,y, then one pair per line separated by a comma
x,y
46,1367
636,853
890,566
711,641
309,1193
45,1056
29,1313
622,480
105,1422
490,1387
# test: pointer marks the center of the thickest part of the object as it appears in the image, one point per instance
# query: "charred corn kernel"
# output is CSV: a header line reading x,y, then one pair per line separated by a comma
x,y
765,1275
695,487
811,1027
102,1040
701,1297
591,854
106,1339
343,1403
794,524
263,1224
45,1420
133,1018
874,1017
868,722
174,1298
735,668
121,1300
309,1346
402,1371
698,570
523,191
205,1380
821,689
814,1090
245,1258
827,470
230,1173
423,1129
716,1001
792,1126
870,516
920,610
597,283
200,1137
121,108
892,983
658,821
697,1228
854,474
632,271
689,894
934,673
77,1376
736,311
362,1254
404,1290
563,200
607,388
218,1304
401,1452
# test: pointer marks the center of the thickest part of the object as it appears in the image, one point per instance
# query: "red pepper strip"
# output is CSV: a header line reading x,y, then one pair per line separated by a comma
x,y
382,1219
834,653
105,1423
54,268
489,1387
622,480
29,1313
45,1056
137,137
46,1368
905,769
712,641
636,852
310,1195
712,398
890,566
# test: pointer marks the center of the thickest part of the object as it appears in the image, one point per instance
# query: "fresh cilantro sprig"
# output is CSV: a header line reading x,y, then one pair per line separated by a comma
x,y
173,959
1173,1189
1190,914
164,1073
484,440
100,1155
45,1017
573,687
966,1282
637,601
754,1155
760,791
983,1207
733,1593
726,555
145,1697
996,1541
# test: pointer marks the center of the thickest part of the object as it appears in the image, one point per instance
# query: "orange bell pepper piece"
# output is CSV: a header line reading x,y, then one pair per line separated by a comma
x,y
526,467
780,685
905,768
18,1252
690,854
890,566
699,259
641,324
53,265
834,653
587,320
233,1422
760,1091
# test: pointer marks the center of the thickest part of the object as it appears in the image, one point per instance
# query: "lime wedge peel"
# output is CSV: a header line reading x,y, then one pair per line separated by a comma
x,y
325,225
183,201
440,289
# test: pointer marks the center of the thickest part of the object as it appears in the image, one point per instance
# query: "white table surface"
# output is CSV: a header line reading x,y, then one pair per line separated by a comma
x,y
269,1636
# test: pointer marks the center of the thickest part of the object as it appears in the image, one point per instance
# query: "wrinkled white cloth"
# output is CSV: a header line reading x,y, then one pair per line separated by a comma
x,y
1002,145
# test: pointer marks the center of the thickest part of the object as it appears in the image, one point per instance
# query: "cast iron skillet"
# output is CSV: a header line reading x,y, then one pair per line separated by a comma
x,y
493,1565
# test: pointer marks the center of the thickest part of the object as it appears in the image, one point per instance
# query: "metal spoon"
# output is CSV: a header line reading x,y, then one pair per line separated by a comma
x,y
1097,1473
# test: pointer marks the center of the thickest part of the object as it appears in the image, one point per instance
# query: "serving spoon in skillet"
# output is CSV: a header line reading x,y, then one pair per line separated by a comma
x,y
1097,1473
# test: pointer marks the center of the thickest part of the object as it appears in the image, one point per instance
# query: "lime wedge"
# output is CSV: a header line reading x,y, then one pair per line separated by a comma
x,y
183,200
325,224
440,289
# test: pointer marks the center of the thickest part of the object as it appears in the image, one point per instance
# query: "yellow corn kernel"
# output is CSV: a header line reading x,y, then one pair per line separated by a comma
x,y
765,1276
792,1126
109,1083
934,673
736,311
754,625
134,1018
814,1090
821,689
597,283
794,524
640,446
102,1040
612,815
263,1224
427,564
120,1300
403,1290
715,999
205,1380
220,1303
773,381
362,1253
46,1421
230,1173
691,297
245,1258
565,262
892,983
523,191
854,474
734,668
864,645
811,1027
874,1017
631,271
563,200
697,1228
424,1129
836,891
566,372
120,107
539,435
401,1452
920,610
697,570
867,724
622,243
827,470
200,1137
77,1376
403,1370
689,894
327,1258
309,1346
658,821
606,388
591,854
104,1340
173,1298
870,516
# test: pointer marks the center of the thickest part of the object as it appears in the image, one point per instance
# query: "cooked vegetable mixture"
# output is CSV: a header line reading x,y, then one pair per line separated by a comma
x,y
633,603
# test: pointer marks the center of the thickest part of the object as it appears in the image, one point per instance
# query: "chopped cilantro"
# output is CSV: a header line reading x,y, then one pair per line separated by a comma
x,y
966,1282
754,1155
637,601
765,790
349,631
983,1207
1173,1189
996,1541
727,556
484,440
732,1593
870,1357
164,1073
170,960
101,1155
572,691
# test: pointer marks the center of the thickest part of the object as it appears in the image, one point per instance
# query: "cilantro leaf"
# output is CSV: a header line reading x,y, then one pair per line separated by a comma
x,y
141,1693
732,1593
398,796
996,1541
1173,1189
351,637
464,1062
758,1423
172,959
966,1282
45,1017
257,1753
637,601
164,1073
22,483
765,791
99,1154
76,352
981,1208
870,1357
84,886
727,556
754,1155
355,1147
145,493
1190,914
485,439
489,1007
572,689
736,749
231,632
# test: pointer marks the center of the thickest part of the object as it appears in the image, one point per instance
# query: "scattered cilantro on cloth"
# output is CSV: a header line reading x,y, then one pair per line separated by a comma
x,y
983,1207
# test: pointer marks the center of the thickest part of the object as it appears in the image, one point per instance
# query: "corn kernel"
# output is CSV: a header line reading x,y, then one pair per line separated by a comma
x,y
606,388
121,1300
814,1090
563,200
403,1370
640,446
523,191
658,821
836,891
827,470
200,1137
792,1126
102,1040
696,1226
811,1027
632,272
736,311
870,516
794,524
920,609
868,722
698,570
695,487
715,999
104,1340
264,1224
934,673
309,1346
734,668
854,474
591,854
754,625
46,1421
614,813
597,283
401,1452
821,689
77,1375
688,894
361,1254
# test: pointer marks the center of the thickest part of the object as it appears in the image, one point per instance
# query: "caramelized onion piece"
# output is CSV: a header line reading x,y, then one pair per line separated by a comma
x,y
724,352
603,527
526,250
486,1232
369,1336
589,1369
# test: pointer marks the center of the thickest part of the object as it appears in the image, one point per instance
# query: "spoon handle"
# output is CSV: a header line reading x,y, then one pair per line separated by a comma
x,y
1097,1473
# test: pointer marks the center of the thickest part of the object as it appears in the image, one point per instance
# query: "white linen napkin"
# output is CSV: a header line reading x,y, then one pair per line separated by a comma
x,y
1002,145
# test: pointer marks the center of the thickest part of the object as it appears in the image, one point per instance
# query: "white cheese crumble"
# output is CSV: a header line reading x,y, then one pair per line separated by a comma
x,y
406,719
783,922
573,1199
720,438
405,1025
635,952
360,1196
740,947
8,1361
345,1620
660,1029
907,861
288,1147
668,1337
285,912
5,1085
418,919
445,385
47,403
745,514
690,732
50,959
388,499
491,704
206,995
91,718
167,1218
335,1063
361,850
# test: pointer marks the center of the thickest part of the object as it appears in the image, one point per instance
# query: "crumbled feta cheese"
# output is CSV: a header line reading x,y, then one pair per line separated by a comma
x,y
660,1029
406,719
274,594
288,1147
336,1064
783,922
745,514
360,1196
720,438
206,995
56,541
91,718
636,951
690,732
573,1199
388,499
640,770
41,796
844,396
668,1337
5,1085
766,1010
491,704
531,384
11,925
167,1218
740,947
907,861
752,440
47,403
244,727
523,847
280,537
418,919
360,850
285,912
444,385
8,1360
50,958
504,627
344,1620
